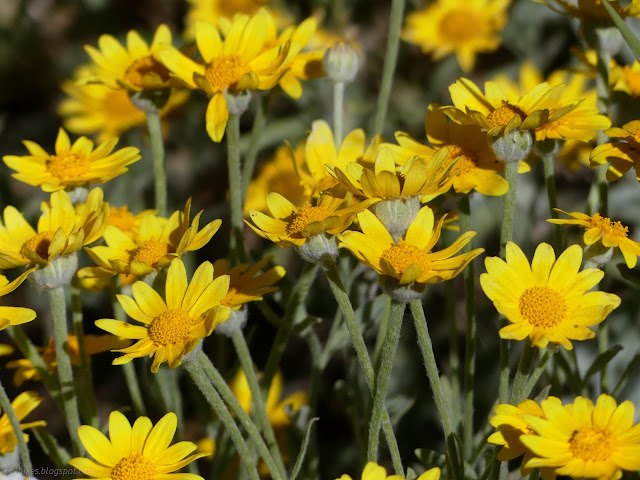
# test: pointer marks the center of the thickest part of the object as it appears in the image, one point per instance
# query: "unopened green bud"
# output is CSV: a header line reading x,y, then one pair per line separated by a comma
x,y
513,146
317,247
58,273
341,62
397,215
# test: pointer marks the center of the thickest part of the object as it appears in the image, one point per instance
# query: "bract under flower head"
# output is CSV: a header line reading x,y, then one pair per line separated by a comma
x,y
77,164
548,301
174,325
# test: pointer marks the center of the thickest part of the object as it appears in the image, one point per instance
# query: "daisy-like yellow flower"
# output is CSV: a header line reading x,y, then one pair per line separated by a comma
x,y
549,300
279,175
621,155
174,325
135,67
463,27
72,165
135,452
94,108
61,230
23,405
152,248
123,219
583,440
239,62
25,371
411,259
626,78
477,167
213,10
14,315
611,234
373,471
510,423
590,9
499,110
246,282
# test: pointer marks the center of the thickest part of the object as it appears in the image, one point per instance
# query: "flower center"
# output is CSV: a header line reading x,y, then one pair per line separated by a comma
x,y
150,252
403,255
502,116
460,25
133,467
121,218
591,444
147,72
303,217
68,166
633,80
542,307
225,71
605,224
39,243
466,158
170,327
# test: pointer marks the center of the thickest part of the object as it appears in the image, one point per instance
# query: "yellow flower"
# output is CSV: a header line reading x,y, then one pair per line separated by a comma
x,y
72,165
477,167
291,225
411,259
61,230
279,175
626,78
239,62
549,300
173,325
590,9
583,440
126,221
135,67
511,425
373,471
611,234
25,371
499,110
622,155
575,154
14,315
579,123
94,108
153,247
463,27
135,452
207,446
213,10
246,282
23,405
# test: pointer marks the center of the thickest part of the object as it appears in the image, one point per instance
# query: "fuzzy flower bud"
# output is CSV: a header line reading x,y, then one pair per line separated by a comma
x,y
57,273
513,146
317,247
237,102
341,63
396,215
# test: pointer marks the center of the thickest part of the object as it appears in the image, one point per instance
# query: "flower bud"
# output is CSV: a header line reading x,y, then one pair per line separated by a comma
x,y
317,247
58,273
396,215
237,102
513,146
341,62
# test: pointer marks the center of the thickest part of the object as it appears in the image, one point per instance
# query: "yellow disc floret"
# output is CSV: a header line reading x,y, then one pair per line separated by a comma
x,y
170,327
150,252
466,158
225,71
304,216
39,243
403,255
542,306
592,444
459,26
122,218
68,166
134,467
503,115
609,227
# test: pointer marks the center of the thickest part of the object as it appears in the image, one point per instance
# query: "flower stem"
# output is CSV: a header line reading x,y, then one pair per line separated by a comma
x,y
535,375
235,185
7,408
338,111
424,340
65,372
333,276
259,121
522,374
194,368
464,209
392,338
157,150
390,60
259,408
550,184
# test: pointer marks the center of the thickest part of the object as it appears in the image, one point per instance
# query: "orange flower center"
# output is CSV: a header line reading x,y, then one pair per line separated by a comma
x,y
151,252
147,72
403,255
225,71
303,217
460,25
122,218
542,307
633,80
592,444
68,166
500,117
615,229
466,158
39,243
170,327
133,467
